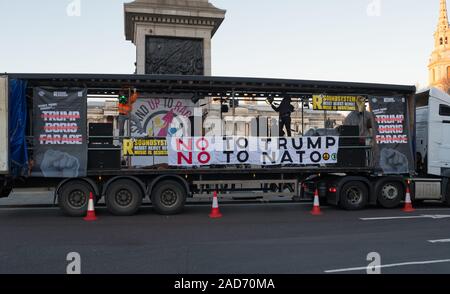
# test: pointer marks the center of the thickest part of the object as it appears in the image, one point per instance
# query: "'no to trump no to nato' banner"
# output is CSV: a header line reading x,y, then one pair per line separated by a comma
x,y
205,151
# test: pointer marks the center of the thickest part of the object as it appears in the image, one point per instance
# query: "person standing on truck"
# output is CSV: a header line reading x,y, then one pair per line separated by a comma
x,y
361,118
284,109
366,122
125,107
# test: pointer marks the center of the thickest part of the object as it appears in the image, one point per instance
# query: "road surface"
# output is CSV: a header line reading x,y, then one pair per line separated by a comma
x,y
280,238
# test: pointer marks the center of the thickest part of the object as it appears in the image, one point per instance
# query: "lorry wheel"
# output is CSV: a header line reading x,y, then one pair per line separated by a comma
x,y
354,196
390,194
447,198
169,197
73,198
5,191
123,198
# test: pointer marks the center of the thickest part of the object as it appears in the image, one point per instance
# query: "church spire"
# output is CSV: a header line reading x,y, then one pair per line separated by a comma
x,y
439,66
443,16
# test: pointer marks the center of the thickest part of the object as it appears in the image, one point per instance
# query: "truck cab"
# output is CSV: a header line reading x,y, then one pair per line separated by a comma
x,y
432,131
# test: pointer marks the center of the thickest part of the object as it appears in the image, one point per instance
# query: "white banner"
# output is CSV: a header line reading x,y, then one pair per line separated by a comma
x,y
205,151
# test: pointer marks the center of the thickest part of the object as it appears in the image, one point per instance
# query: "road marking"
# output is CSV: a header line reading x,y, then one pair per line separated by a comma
x,y
433,209
28,208
363,268
440,241
251,204
438,216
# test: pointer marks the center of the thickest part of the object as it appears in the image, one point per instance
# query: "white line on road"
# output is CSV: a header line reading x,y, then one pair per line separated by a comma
x,y
253,204
440,241
389,218
363,268
28,208
432,209
438,216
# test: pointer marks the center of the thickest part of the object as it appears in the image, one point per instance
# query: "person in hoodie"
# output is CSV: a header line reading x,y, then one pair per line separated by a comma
x,y
284,109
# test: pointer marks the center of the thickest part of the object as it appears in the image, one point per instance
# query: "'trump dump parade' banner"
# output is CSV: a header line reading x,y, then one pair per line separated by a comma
x,y
394,152
60,148
204,151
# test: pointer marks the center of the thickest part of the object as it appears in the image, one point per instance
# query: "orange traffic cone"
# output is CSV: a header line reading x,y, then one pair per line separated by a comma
x,y
316,208
215,213
91,210
408,203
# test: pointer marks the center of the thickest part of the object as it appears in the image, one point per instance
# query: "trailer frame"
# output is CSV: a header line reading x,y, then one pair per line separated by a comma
x,y
201,182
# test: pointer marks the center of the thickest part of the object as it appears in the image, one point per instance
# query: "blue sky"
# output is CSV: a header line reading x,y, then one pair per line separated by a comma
x,y
320,39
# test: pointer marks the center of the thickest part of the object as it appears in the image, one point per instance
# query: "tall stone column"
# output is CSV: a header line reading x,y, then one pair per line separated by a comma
x,y
172,36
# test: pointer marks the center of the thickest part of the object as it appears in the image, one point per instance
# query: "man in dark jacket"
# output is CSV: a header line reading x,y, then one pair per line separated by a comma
x,y
284,109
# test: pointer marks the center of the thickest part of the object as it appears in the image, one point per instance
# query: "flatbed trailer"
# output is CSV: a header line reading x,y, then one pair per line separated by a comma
x,y
351,187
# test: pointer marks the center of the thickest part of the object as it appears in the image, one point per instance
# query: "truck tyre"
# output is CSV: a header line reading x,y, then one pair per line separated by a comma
x,y
390,194
123,197
169,197
447,197
73,198
5,190
354,196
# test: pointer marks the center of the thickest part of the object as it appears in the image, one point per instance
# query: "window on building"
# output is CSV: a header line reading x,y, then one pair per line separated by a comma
x,y
441,41
444,110
446,40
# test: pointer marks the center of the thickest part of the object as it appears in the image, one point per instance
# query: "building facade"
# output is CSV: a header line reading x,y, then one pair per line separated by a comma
x,y
259,119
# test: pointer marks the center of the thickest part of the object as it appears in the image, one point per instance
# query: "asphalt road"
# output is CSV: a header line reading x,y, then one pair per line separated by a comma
x,y
258,239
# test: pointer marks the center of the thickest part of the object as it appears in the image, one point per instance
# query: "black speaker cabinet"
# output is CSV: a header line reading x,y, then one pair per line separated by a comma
x,y
348,131
351,157
104,159
100,130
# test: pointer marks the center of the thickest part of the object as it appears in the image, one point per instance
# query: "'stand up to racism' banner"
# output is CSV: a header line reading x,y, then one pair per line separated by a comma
x,y
393,153
157,117
204,151
60,148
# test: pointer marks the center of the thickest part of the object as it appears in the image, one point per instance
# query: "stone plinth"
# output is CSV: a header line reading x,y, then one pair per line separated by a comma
x,y
172,36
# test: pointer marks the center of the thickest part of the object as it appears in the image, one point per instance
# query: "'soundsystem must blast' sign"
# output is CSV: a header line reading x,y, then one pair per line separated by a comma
x,y
334,103
204,151
60,147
